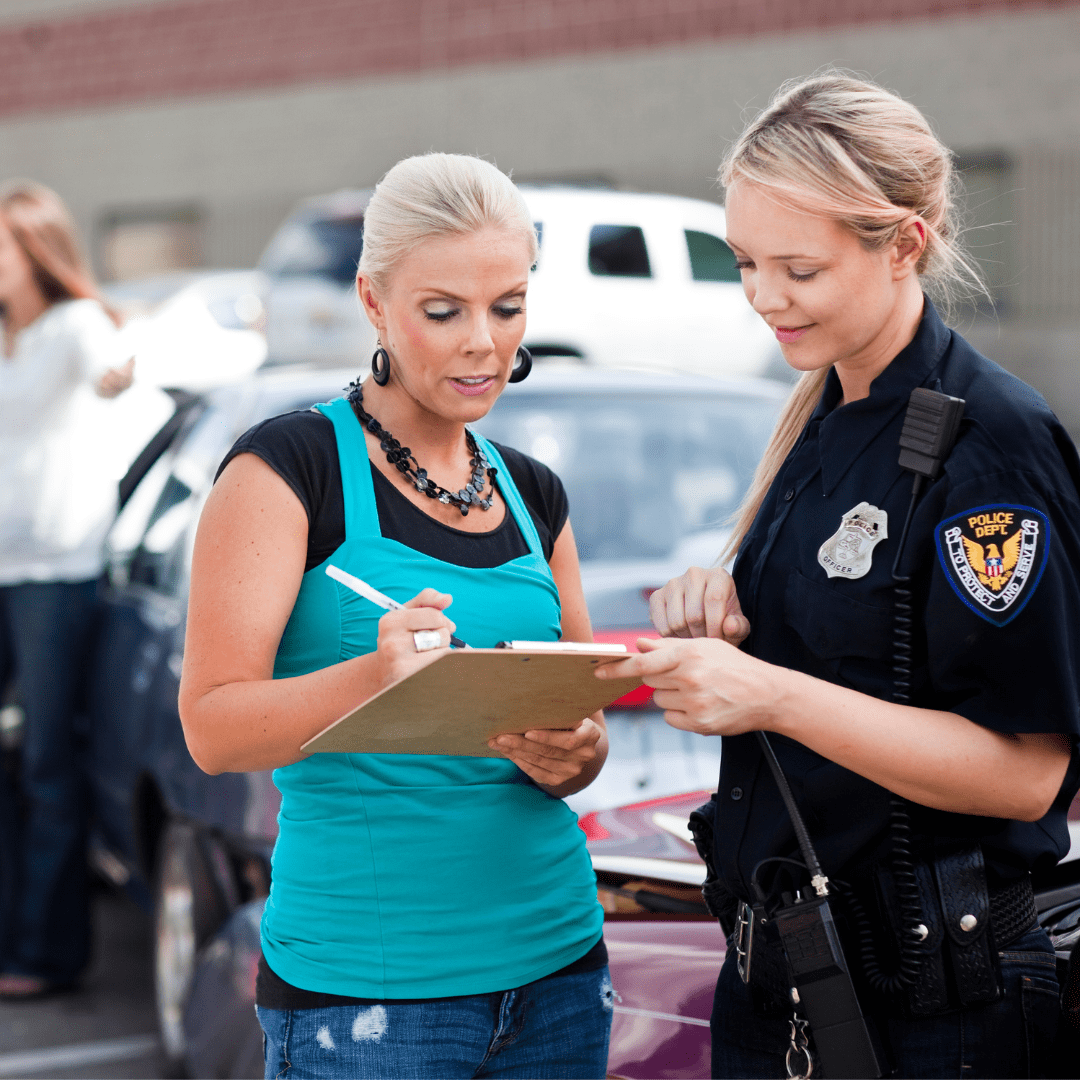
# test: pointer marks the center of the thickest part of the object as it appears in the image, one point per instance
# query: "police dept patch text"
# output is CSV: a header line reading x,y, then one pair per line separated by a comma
x,y
993,557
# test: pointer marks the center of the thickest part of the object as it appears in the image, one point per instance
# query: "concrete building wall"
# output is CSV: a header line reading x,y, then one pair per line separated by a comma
x,y
648,106
21,12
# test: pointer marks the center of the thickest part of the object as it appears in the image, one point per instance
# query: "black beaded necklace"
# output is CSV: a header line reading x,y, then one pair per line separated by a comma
x,y
400,456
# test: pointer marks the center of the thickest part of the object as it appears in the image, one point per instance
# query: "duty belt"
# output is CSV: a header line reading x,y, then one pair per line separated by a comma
x,y
762,964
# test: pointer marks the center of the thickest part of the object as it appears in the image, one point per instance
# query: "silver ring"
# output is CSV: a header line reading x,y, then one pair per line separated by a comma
x,y
426,640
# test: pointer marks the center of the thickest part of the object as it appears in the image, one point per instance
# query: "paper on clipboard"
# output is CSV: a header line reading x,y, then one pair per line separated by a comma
x,y
456,704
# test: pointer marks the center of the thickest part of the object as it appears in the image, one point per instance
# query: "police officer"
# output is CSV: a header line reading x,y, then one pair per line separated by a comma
x,y
840,215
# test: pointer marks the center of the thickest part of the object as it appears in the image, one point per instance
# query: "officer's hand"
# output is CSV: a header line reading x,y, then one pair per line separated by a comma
x,y
550,756
700,603
705,685
396,647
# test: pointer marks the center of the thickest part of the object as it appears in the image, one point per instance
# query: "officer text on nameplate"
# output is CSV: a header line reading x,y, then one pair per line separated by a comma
x,y
848,551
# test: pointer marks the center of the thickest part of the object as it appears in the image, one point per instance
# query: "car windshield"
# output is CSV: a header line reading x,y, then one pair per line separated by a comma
x,y
643,471
324,247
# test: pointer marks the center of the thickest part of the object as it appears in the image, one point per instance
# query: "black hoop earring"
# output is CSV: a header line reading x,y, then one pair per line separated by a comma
x,y
380,374
524,365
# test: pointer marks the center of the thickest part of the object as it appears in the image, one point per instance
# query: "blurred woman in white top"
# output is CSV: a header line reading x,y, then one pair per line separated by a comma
x,y
61,350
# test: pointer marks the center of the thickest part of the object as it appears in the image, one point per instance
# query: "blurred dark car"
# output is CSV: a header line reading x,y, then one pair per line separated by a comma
x,y
653,465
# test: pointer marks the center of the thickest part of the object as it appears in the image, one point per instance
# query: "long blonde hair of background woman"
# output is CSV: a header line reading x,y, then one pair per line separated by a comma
x,y
838,147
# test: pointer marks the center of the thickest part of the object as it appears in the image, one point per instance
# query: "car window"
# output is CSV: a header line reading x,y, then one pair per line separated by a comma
x,y
618,251
131,523
710,258
643,472
158,561
325,247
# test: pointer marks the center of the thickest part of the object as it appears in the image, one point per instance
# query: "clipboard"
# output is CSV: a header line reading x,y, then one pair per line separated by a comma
x,y
467,696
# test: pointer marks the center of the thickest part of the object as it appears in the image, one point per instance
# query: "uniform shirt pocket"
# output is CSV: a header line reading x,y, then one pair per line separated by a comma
x,y
834,626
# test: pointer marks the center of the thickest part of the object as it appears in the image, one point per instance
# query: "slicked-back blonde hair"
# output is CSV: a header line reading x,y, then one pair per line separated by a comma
x,y
437,195
839,147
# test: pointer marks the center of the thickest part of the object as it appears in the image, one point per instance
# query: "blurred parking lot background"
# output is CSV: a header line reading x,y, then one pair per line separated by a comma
x,y
218,155
182,131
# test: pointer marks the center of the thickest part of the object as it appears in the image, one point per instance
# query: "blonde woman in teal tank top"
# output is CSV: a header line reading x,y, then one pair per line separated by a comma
x,y
428,916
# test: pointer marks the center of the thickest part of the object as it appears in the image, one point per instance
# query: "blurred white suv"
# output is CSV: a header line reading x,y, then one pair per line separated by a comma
x,y
623,280
639,280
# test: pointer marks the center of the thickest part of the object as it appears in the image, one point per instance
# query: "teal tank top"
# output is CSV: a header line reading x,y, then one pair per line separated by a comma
x,y
413,876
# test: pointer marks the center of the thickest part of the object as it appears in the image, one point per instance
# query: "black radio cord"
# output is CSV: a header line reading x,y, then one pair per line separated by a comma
x,y
901,860
930,429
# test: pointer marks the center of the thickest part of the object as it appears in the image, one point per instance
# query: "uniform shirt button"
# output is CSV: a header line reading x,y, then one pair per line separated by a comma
x,y
789,495
736,793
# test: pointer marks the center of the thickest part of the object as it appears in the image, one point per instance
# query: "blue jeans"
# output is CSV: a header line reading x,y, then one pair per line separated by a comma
x,y
551,1028
1012,1037
45,639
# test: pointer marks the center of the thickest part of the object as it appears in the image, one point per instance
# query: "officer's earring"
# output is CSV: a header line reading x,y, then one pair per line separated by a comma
x,y
523,367
380,366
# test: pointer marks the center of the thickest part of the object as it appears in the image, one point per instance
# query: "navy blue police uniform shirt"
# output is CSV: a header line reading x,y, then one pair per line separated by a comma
x,y
994,554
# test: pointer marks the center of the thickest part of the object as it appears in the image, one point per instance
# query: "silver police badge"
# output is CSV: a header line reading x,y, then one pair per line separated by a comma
x,y
848,551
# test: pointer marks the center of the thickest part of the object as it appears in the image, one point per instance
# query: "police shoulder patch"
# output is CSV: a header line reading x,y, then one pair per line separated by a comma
x,y
994,556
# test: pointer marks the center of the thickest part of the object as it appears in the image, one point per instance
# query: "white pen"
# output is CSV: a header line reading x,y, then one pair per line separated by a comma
x,y
362,588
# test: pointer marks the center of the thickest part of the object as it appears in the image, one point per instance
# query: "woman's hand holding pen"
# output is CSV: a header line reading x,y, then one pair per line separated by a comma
x,y
396,646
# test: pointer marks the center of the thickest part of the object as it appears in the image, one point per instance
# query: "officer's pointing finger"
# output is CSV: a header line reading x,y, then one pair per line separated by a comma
x,y
654,657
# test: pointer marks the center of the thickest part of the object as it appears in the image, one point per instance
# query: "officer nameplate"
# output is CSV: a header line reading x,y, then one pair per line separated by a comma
x,y
848,551
993,557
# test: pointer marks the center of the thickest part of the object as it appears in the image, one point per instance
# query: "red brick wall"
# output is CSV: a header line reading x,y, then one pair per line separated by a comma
x,y
196,47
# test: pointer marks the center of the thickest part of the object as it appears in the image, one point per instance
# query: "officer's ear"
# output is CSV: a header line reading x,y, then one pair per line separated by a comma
x,y
907,251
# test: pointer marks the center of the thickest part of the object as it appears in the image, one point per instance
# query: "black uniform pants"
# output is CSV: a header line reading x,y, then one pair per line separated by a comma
x,y
1013,1037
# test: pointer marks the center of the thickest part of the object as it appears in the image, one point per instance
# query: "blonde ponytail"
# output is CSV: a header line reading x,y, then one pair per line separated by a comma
x,y
793,417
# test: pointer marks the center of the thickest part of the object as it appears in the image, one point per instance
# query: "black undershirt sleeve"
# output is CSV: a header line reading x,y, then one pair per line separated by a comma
x,y
295,446
302,449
